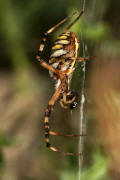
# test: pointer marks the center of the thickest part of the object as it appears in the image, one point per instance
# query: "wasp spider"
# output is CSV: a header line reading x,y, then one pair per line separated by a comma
x,y
62,63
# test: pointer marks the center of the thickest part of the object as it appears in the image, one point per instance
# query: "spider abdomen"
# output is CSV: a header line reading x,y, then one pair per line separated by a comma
x,y
65,46
64,52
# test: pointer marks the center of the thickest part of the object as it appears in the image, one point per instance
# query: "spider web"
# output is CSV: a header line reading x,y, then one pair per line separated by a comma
x,y
82,125
82,122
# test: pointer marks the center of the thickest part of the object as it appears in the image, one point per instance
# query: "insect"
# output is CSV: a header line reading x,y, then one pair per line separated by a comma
x,y
62,64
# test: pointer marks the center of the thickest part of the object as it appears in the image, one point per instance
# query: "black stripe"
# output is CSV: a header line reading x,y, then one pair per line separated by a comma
x,y
39,53
47,135
46,123
48,111
47,130
49,107
47,114
45,35
61,63
47,144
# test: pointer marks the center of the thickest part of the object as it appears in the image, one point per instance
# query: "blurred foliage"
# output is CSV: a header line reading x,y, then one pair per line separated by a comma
x,y
98,170
5,141
25,90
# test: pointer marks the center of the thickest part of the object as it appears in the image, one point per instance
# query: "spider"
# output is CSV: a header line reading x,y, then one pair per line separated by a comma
x,y
62,64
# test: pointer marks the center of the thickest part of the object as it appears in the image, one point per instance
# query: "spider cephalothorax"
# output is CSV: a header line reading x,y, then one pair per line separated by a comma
x,y
61,66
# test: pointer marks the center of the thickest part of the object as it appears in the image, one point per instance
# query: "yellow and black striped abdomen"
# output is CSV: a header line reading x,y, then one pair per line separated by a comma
x,y
65,47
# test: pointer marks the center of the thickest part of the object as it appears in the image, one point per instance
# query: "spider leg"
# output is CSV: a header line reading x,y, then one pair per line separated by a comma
x,y
84,58
47,126
50,68
60,23
72,96
68,99
87,58
65,153
64,102
44,39
48,113
76,19
46,65
65,135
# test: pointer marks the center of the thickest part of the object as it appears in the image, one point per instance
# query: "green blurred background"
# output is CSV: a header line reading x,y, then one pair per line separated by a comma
x,y
25,89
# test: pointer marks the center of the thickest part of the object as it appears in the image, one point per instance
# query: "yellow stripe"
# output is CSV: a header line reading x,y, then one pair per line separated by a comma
x,y
52,60
62,42
46,126
58,46
76,54
58,53
76,47
41,47
53,149
46,119
62,37
47,140
44,39
67,33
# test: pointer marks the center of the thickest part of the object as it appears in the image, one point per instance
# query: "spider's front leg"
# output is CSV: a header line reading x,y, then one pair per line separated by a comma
x,y
69,99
